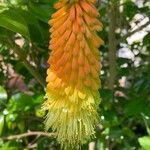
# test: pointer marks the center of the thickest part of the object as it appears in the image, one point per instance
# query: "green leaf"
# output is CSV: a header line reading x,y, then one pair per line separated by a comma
x,y
20,102
1,123
16,2
10,145
47,1
3,6
35,30
123,72
10,148
13,21
3,93
128,6
146,40
4,34
136,106
41,11
39,112
145,142
39,99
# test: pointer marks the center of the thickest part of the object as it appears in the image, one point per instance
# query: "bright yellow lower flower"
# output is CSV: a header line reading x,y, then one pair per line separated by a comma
x,y
72,96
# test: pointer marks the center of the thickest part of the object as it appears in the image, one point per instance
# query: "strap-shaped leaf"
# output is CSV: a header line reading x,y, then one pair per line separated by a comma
x,y
13,21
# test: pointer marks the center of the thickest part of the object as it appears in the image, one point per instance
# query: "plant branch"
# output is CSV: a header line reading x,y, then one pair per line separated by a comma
x,y
22,57
29,133
137,30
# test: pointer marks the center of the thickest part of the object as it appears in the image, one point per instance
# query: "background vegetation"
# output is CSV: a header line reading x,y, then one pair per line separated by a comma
x,y
125,107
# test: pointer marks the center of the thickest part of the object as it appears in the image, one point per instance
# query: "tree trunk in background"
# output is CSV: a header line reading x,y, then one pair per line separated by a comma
x,y
112,47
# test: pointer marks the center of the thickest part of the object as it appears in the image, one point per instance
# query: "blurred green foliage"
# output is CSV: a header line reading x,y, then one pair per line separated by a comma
x,y
124,111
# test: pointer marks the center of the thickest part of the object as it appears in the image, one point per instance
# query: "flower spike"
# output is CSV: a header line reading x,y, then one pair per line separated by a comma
x,y
72,96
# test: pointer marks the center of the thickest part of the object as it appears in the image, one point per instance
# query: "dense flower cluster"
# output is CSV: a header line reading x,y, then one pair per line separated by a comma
x,y
72,96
